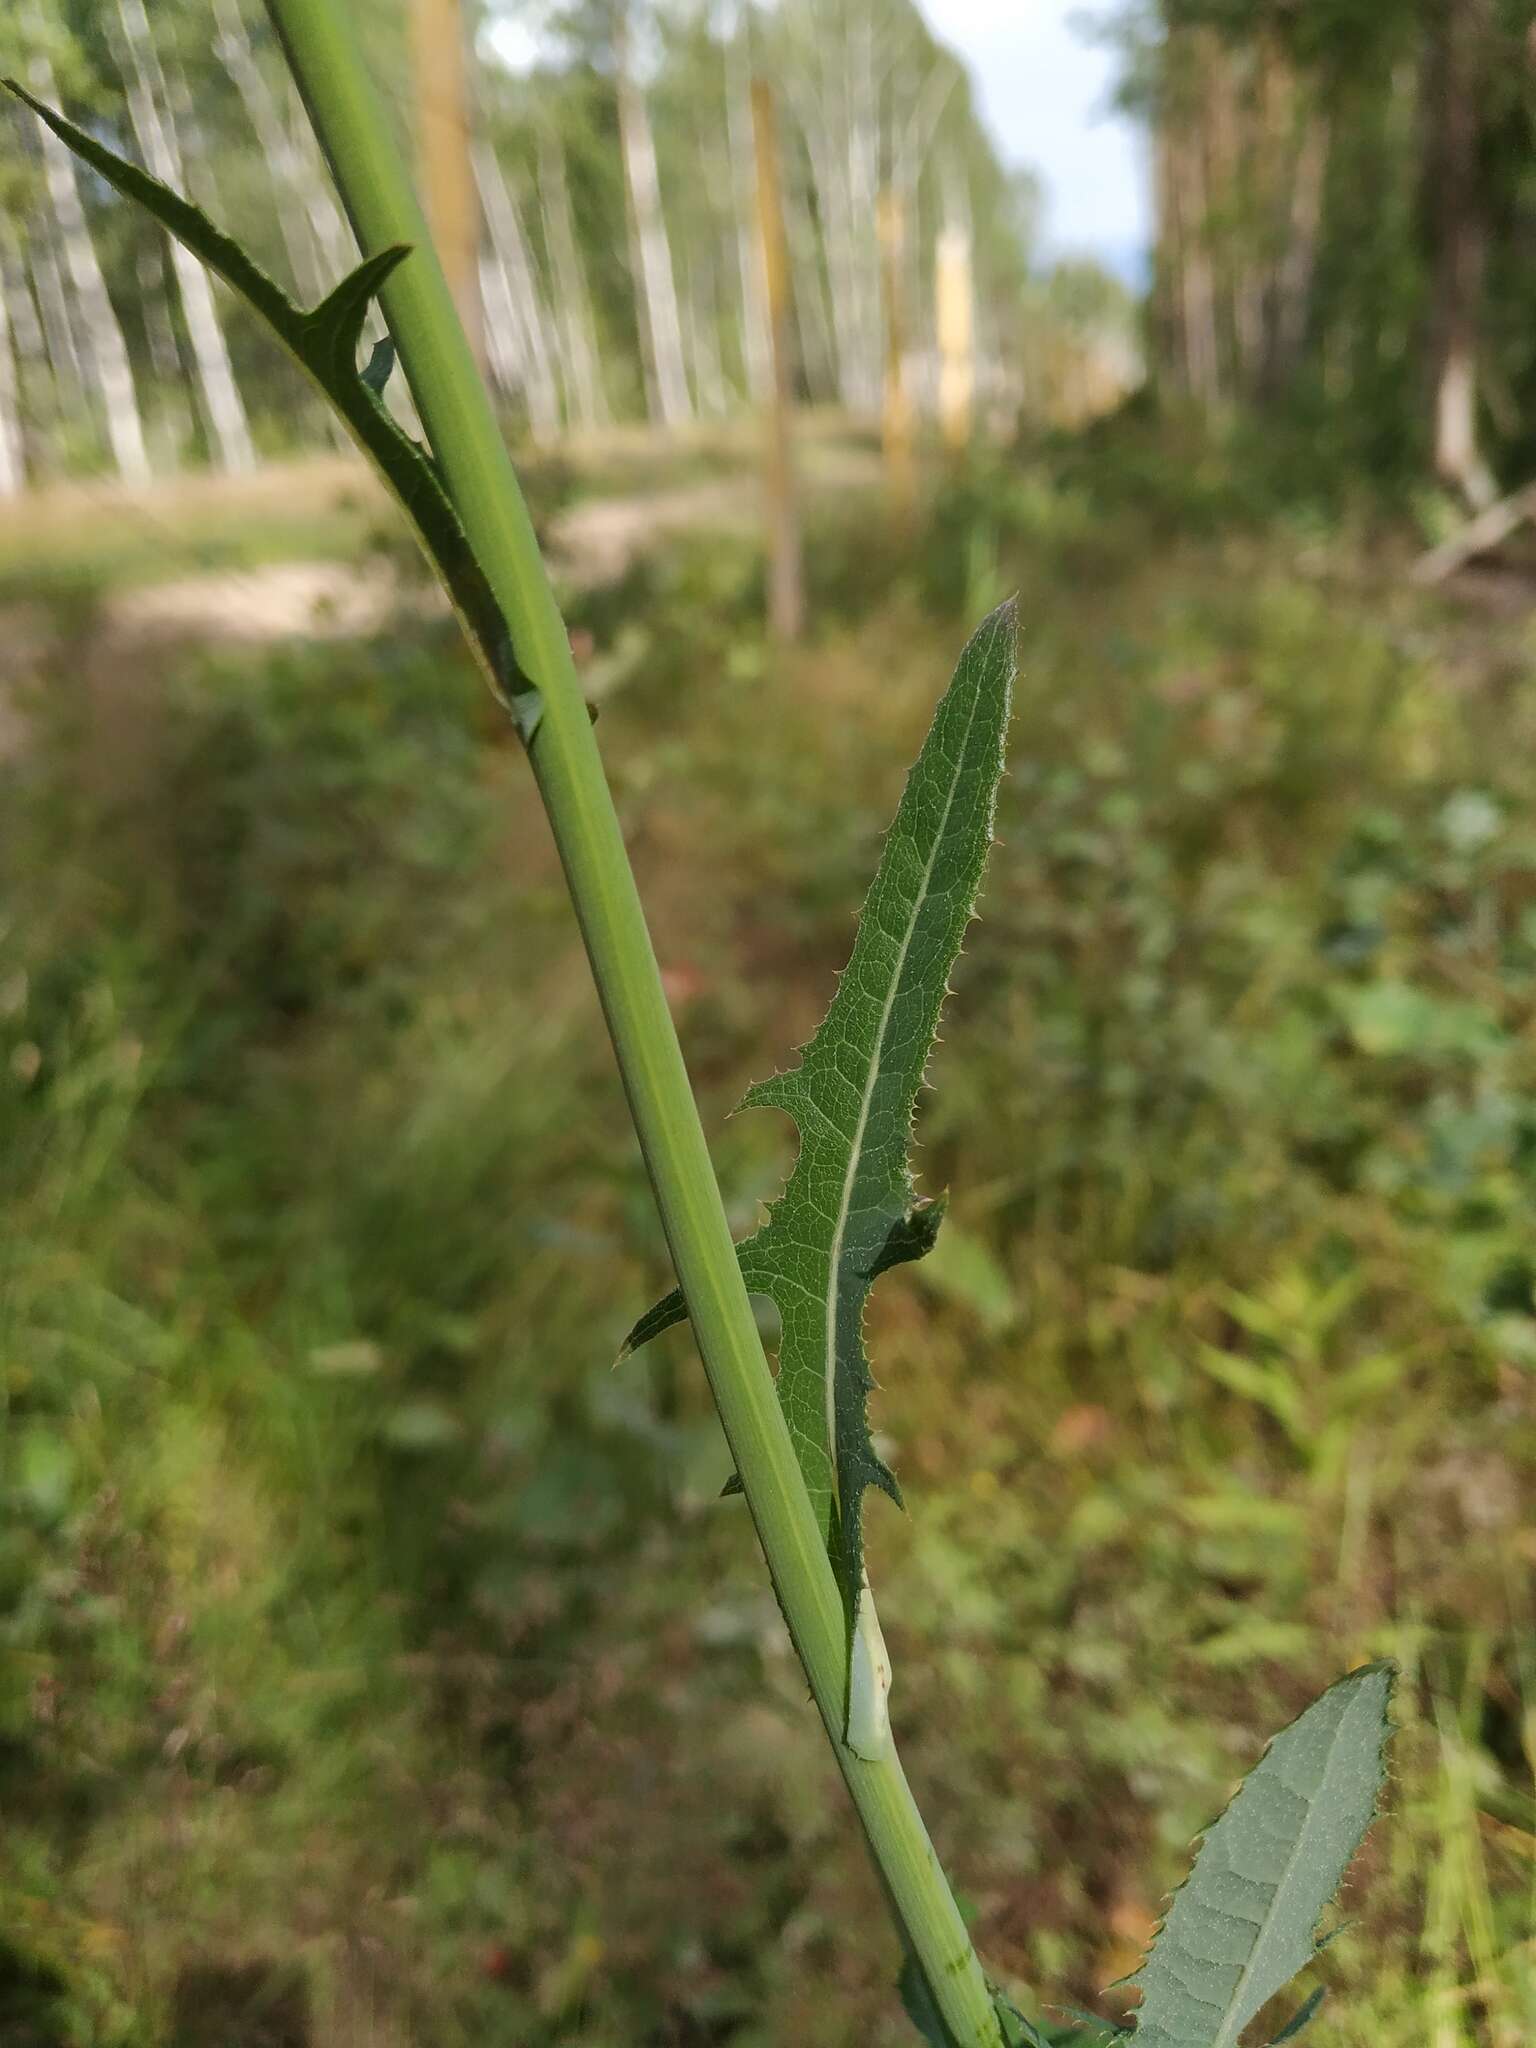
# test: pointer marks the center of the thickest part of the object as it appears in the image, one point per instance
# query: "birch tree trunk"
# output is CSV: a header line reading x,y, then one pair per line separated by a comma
x,y
109,368
586,402
520,298
13,454
232,47
1298,264
655,284
1197,282
65,362
503,330
28,342
813,318
749,253
153,125
1458,58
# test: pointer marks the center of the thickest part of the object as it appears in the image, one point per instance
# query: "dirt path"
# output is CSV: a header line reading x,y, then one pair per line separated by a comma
x,y
594,541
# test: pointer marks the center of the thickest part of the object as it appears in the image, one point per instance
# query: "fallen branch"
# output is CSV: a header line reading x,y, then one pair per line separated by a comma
x,y
1475,538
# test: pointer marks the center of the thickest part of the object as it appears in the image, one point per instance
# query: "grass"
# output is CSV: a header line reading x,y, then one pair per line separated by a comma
x,y
359,1620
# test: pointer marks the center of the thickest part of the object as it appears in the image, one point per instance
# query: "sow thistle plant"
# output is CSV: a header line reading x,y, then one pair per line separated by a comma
x,y
1246,1921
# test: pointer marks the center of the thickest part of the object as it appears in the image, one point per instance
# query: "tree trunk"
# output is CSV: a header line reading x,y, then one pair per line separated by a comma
x,y
503,330
655,285
586,401
813,318
1298,264
786,583
702,335
956,326
153,124
28,343
895,399
13,456
440,57
1197,283
1167,305
755,356
63,351
232,47
109,367
1459,51
524,301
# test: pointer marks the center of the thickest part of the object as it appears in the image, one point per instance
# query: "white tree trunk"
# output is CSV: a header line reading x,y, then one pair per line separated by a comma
x,y
59,344
655,285
703,337
109,367
1298,265
29,349
842,138
749,254
503,352
232,47
585,399
522,302
149,106
813,319
13,455
109,361
327,223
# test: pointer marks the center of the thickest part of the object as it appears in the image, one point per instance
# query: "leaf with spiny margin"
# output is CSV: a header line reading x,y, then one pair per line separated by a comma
x,y
848,1211
324,341
1245,1920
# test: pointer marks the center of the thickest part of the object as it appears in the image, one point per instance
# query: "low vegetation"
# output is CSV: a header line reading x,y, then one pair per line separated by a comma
x,y
325,1502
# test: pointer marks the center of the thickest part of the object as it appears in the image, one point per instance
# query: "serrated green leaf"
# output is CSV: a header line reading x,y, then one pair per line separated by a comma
x,y
1302,2017
324,341
848,1211
1245,1921
1100,2028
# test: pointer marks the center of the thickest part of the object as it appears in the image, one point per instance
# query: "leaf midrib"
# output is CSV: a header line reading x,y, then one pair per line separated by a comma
x,y
1230,2026
850,1177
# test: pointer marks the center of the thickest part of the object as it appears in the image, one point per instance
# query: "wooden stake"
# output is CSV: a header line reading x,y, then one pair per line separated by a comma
x,y
956,321
896,404
786,589
440,53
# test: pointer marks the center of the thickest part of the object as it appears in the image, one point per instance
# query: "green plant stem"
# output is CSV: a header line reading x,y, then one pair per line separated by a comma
x,y
328,65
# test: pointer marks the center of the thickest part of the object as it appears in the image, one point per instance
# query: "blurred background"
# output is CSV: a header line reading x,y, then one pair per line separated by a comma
x,y
379,1665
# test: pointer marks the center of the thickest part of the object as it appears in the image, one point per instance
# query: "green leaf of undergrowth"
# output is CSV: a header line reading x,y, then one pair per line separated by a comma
x,y
921,2008
1302,2017
1245,1921
324,340
848,1211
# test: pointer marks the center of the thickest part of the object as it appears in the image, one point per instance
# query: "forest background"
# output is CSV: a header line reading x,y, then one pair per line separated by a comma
x,y
378,1665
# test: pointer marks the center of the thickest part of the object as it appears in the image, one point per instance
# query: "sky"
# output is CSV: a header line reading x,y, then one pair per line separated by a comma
x,y
1045,89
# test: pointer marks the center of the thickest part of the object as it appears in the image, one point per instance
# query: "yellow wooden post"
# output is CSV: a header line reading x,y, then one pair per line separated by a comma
x,y
956,322
440,56
896,402
786,588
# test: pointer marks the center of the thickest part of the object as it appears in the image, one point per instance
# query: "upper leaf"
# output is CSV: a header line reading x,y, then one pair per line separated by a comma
x,y
324,341
848,1210
1245,1921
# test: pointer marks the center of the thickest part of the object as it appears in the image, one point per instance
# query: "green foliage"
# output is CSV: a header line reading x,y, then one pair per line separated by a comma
x,y
849,1211
1245,1921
